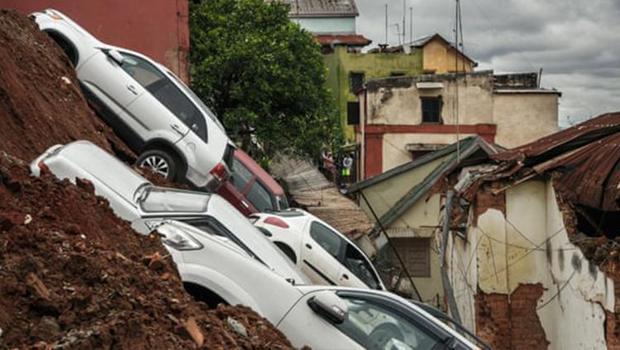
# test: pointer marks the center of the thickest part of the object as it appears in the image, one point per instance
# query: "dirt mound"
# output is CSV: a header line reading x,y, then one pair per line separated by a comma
x,y
76,276
72,274
40,100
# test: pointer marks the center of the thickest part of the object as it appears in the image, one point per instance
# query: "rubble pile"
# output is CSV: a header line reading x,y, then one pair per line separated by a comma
x,y
72,274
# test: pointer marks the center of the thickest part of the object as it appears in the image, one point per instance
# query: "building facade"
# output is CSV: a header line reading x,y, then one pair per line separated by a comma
x,y
406,117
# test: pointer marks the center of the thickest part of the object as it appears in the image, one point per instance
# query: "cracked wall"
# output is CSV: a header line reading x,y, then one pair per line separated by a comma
x,y
528,245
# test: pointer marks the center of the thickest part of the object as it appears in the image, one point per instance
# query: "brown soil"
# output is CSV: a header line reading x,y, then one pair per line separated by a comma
x,y
40,100
72,274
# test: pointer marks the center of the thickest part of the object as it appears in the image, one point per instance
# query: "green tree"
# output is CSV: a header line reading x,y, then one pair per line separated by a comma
x,y
262,74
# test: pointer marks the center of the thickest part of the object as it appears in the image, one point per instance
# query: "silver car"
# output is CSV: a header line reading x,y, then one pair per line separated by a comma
x,y
136,200
157,115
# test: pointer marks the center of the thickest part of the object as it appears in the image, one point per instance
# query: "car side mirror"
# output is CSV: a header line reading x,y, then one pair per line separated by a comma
x,y
329,306
115,56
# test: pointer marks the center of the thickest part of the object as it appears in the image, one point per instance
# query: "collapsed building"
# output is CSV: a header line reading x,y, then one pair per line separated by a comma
x,y
534,262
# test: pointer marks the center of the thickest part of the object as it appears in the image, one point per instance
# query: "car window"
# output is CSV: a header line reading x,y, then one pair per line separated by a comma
x,y
167,200
166,92
357,263
282,203
141,70
377,326
327,239
198,101
240,176
260,198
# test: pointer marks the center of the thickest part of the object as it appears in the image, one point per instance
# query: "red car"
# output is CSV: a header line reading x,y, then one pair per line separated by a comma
x,y
251,189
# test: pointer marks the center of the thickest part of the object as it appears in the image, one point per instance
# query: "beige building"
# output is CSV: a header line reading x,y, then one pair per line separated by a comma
x,y
406,117
406,201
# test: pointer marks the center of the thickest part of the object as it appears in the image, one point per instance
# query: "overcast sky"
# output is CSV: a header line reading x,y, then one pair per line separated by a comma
x,y
576,42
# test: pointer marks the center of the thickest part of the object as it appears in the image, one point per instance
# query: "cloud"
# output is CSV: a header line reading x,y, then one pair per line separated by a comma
x,y
574,41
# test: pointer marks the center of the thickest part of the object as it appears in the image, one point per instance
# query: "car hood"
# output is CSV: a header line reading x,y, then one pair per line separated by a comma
x,y
264,249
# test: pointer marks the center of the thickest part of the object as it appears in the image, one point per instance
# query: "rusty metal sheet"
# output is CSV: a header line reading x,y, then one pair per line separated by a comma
x,y
585,161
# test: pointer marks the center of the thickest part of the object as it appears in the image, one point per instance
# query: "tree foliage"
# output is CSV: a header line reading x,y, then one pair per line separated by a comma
x,y
262,74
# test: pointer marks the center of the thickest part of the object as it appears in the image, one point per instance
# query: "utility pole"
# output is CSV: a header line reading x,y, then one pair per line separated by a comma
x,y
411,24
404,22
386,24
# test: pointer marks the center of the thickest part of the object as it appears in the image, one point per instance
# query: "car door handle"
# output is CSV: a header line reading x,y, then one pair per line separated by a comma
x,y
176,128
345,276
133,89
308,246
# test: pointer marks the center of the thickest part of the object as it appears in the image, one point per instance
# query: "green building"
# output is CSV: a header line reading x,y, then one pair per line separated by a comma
x,y
348,70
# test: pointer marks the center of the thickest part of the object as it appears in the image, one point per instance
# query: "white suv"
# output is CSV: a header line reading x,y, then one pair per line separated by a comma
x,y
158,116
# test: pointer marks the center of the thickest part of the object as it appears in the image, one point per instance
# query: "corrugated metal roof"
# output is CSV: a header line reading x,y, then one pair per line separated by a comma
x,y
322,8
585,161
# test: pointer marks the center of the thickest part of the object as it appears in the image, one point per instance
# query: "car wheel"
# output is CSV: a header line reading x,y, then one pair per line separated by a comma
x,y
381,335
159,162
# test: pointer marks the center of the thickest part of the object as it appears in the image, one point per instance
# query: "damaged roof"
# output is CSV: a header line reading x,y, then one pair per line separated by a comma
x,y
584,159
468,149
342,39
322,8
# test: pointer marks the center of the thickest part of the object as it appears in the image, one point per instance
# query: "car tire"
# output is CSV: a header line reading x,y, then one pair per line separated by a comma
x,y
159,162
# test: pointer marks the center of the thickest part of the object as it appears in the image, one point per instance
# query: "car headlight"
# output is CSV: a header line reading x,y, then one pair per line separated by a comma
x,y
177,238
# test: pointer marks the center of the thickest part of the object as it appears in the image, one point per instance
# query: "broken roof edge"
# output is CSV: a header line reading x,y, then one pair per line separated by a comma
x,y
422,188
464,144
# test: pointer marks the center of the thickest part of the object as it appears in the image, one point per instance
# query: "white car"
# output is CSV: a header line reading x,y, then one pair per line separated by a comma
x,y
319,316
325,255
136,200
158,116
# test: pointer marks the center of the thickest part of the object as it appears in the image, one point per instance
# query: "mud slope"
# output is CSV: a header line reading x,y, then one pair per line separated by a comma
x,y
40,100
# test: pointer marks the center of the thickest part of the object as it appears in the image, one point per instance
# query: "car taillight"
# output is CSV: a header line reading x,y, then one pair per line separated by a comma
x,y
43,167
219,172
272,220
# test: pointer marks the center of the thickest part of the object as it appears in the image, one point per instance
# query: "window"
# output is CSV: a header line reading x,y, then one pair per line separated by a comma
x,y
357,263
353,113
375,325
415,253
164,90
431,109
260,198
156,199
327,239
356,81
240,175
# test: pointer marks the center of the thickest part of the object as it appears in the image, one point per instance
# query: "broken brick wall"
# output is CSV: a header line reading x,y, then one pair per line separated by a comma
x,y
511,322
528,286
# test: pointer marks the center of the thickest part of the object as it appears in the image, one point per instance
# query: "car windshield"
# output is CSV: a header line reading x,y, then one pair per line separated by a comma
x,y
197,100
375,325
155,199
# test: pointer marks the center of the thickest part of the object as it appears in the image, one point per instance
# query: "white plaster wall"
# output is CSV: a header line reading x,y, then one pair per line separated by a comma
x,y
523,118
394,146
530,245
400,104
